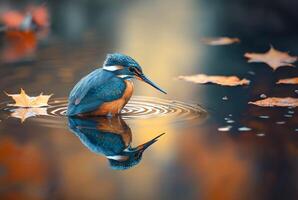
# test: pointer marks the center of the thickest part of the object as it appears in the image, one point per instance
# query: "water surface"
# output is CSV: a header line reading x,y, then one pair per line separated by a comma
x,y
235,151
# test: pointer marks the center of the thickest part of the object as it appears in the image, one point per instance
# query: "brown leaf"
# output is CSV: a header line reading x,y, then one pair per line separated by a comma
x,y
221,80
25,101
13,19
273,58
24,113
220,41
288,81
276,101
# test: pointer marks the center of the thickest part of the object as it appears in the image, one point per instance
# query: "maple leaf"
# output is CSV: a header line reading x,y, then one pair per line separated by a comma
x,y
25,101
220,41
13,18
276,101
24,113
288,81
221,80
273,58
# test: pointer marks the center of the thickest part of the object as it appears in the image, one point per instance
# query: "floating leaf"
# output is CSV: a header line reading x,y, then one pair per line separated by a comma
x,y
288,81
40,15
220,41
221,80
13,19
276,101
24,113
273,58
25,101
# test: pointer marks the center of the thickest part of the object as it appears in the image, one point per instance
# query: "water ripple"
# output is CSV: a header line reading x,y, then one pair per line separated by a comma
x,y
139,107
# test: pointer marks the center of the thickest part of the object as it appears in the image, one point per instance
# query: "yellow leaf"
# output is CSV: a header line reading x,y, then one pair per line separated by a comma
x,y
221,80
220,41
25,101
277,101
288,81
273,58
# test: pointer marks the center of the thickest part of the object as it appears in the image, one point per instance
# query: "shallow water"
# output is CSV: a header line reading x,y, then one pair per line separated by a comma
x,y
232,151
138,108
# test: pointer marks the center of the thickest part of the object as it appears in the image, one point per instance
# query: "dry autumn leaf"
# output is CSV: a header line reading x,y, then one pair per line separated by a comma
x,y
220,41
273,58
24,113
25,101
14,18
221,80
288,81
276,101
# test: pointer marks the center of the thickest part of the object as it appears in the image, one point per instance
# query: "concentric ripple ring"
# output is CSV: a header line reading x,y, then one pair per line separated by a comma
x,y
139,107
142,107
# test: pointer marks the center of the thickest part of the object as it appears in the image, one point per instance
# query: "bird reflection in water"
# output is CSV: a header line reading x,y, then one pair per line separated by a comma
x,y
111,137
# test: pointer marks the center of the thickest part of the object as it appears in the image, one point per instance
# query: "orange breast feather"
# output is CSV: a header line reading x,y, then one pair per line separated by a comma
x,y
115,107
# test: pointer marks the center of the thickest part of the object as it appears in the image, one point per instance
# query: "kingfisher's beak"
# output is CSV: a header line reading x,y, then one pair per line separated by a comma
x,y
145,79
149,143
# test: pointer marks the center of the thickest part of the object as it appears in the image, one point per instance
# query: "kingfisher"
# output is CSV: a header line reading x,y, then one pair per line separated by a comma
x,y
106,90
111,137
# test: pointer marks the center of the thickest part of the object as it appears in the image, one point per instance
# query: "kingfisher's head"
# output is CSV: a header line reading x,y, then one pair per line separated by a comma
x,y
125,67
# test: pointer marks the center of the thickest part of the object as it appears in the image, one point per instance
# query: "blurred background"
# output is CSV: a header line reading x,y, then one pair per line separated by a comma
x,y
42,160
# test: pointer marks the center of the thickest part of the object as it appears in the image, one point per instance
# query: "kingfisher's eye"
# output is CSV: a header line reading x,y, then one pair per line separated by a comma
x,y
131,69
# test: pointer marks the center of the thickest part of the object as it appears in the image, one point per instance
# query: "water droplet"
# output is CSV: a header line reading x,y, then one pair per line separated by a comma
x,y
244,128
280,122
291,112
264,117
230,115
263,96
224,129
289,116
230,121
225,98
260,134
296,91
296,129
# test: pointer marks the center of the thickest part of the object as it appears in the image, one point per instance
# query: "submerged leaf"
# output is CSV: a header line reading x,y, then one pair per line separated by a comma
x,y
288,81
276,101
24,113
221,80
25,101
220,41
273,58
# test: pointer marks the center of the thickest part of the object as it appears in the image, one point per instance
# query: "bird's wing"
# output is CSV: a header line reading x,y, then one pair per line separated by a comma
x,y
93,90
95,78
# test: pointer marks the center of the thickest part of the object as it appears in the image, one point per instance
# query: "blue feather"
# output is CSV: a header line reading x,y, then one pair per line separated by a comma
x,y
94,89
